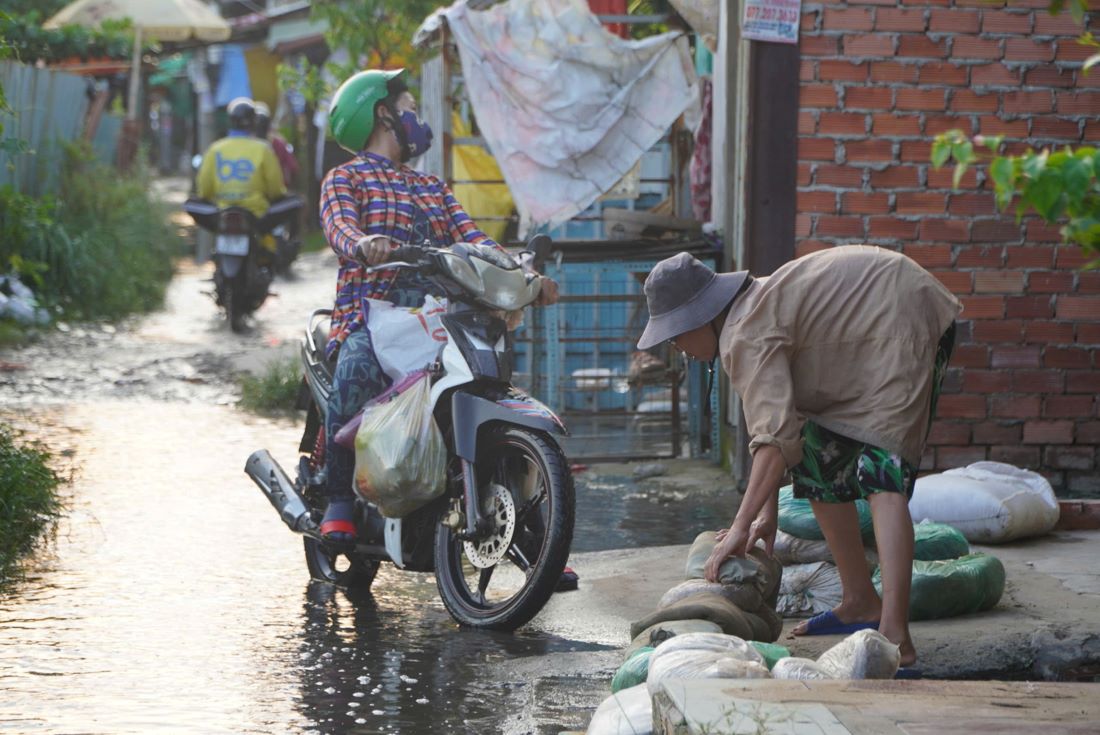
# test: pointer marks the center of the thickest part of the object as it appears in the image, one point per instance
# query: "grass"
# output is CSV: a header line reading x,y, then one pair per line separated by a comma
x,y
28,496
274,391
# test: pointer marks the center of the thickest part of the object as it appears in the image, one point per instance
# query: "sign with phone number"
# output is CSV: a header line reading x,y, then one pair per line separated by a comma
x,y
772,20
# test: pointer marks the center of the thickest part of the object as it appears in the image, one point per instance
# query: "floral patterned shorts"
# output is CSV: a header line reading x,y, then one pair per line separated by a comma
x,y
837,469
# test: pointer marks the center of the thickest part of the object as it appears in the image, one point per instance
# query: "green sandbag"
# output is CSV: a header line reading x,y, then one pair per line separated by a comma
x,y
952,587
796,517
771,652
633,671
938,541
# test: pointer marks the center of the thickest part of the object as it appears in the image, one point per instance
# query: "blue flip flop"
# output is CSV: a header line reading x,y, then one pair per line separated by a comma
x,y
909,672
827,623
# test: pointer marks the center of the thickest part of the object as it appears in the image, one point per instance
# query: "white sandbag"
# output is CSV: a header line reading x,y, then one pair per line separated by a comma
x,y
866,654
989,502
808,589
727,645
689,664
798,668
790,550
628,712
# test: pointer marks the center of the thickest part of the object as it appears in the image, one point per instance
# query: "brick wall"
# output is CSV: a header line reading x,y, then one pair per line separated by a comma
x,y
880,78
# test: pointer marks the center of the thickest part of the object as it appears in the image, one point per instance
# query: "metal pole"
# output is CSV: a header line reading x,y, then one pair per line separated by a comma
x,y
135,77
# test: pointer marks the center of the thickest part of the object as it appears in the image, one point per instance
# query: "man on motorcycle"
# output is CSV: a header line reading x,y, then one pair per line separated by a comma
x,y
369,207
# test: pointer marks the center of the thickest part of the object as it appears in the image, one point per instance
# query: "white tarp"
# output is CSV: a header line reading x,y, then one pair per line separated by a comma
x,y
566,108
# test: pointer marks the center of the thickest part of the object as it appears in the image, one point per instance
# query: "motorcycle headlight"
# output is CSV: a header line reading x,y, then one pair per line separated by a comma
x,y
507,289
495,256
463,273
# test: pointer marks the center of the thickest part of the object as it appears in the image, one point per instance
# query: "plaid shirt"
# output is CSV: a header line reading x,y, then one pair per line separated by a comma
x,y
370,195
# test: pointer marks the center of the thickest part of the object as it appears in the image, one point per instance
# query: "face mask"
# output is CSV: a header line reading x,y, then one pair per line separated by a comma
x,y
418,135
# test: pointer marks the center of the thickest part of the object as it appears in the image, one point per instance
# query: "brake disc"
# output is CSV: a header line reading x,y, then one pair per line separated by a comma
x,y
499,507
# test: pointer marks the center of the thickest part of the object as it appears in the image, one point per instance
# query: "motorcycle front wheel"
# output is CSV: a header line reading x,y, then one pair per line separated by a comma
x,y
503,581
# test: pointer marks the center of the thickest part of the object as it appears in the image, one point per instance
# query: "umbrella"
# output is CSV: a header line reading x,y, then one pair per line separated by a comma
x,y
165,20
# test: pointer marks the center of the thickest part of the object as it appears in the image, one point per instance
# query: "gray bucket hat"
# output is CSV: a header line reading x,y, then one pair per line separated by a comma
x,y
684,294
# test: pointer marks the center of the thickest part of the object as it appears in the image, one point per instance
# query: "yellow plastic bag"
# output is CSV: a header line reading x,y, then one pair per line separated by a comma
x,y
400,457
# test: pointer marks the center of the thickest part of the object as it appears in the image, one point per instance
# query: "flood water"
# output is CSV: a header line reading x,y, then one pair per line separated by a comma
x,y
171,598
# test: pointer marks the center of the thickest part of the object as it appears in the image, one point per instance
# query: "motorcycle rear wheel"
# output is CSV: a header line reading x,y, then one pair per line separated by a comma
x,y
350,572
543,507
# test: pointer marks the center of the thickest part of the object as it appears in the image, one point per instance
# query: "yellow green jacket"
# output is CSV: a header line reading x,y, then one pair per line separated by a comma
x,y
241,170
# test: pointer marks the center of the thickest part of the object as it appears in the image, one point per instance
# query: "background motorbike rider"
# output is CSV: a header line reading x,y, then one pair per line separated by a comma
x,y
241,170
370,206
284,152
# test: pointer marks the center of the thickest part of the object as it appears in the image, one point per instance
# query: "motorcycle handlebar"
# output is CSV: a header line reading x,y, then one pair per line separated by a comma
x,y
407,254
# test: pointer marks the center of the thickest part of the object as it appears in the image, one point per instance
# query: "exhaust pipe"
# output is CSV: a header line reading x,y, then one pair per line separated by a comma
x,y
279,490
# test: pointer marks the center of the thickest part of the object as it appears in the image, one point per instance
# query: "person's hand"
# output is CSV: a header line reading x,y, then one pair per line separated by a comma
x,y
732,541
549,293
373,250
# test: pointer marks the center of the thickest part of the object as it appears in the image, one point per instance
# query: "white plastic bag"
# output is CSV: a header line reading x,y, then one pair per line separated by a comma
x,y
628,712
400,457
790,550
808,589
693,664
727,645
866,654
406,340
798,668
989,502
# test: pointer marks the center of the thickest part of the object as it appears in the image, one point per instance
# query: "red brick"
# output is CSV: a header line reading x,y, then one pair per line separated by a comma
x,y
816,149
830,226
816,201
842,123
1088,334
997,230
1048,76
1079,103
868,45
984,3
868,98
981,257
1088,432
1050,282
1069,358
1026,457
920,46
936,124
999,282
869,150
1079,307
995,332
1088,283
807,123
1070,458
1039,231
999,21
1070,256
858,202
944,73
817,95
1029,307
944,178
994,75
836,70
808,22
1017,103
1068,407
930,256
1044,332
961,407
1069,51
987,381
994,432
953,21
916,151
1056,25
1024,49
893,72
957,282
807,71
896,177
805,247
1083,381
973,47
891,228
949,432
1025,257
899,19
951,230
971,204
965,100
970,356
949,458
803,225
1015,357
1082,78
921,202
896,125
983,307
1039,381
1015,407
921,99
848,19
1048,432
843,176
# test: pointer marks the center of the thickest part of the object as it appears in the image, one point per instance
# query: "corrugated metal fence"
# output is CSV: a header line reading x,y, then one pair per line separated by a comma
x,y
47,107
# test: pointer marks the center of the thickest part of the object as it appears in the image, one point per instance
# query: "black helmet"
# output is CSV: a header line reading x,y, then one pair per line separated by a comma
x,y
263,120
242,114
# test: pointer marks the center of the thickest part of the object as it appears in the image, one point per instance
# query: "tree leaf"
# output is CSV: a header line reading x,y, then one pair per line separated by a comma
x,y
1077,9
1003,172
941,151
1032,164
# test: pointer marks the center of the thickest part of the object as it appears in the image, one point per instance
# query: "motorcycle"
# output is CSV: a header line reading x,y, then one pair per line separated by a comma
x,y
243,268
498,538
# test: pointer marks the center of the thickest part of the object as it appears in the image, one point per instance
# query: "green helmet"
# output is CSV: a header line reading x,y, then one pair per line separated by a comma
x,y
351,114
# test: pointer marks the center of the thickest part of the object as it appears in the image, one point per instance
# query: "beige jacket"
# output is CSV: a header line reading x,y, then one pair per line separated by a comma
x,y
846,337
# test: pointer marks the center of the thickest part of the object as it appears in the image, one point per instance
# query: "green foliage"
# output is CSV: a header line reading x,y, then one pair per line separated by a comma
x,y
1058,185
46,8
30,42
28,500
275,391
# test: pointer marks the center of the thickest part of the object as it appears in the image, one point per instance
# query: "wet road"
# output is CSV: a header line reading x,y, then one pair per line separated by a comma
x,y
172,599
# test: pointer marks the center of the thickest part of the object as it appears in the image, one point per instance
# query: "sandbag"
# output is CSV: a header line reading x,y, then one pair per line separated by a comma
x,y
729,645
771,652
629,712
657,633
952,587
690,664
790,550
798,668
796,517
866,654
633,671
703,606
773,624
746,597
989,502
809,589
937,541
756,568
